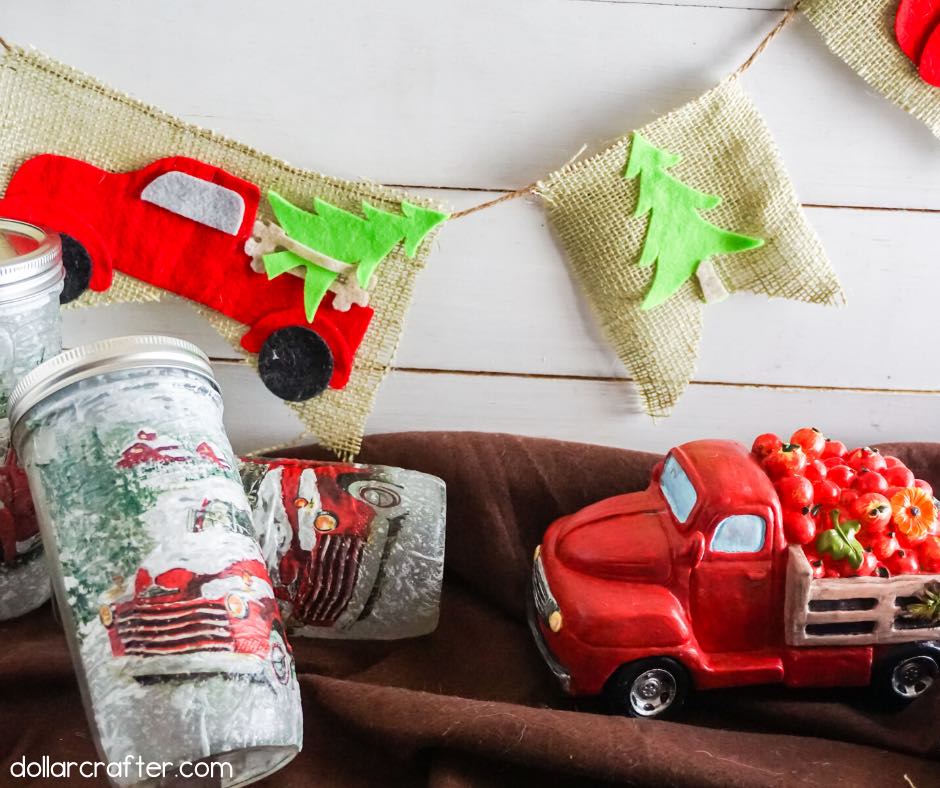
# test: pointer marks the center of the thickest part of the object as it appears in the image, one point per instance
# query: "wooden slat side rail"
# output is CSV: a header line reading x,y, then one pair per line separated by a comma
x,y
879,592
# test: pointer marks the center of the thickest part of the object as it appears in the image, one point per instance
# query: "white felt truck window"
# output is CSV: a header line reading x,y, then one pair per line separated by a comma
x,y
196,199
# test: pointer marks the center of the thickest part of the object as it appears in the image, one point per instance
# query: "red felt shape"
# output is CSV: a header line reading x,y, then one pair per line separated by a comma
x,y
916,29
930,59
105,213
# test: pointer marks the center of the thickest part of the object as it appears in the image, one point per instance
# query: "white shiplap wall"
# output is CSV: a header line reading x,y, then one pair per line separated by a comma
x,y
465,98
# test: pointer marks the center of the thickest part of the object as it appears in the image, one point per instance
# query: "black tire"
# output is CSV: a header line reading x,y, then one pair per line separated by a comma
x,y
295,363
78,265
655,688
906,673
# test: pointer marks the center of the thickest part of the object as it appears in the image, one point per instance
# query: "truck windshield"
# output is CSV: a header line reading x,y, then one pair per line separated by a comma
x,y
677,489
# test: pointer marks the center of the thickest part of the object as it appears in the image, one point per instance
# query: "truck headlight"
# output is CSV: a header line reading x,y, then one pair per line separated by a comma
x,y
236,606
106,615
555,621
325,522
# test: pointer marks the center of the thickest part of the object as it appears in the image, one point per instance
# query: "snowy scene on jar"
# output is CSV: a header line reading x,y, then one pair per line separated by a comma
x,y
166,598
31,281
354,551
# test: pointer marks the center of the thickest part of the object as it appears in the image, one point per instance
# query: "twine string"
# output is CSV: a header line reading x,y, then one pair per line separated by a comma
x,y
758,51
765,42
533,187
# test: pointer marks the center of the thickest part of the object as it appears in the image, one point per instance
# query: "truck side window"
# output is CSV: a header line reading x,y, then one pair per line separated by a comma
x,y
202,201
739,533
677,489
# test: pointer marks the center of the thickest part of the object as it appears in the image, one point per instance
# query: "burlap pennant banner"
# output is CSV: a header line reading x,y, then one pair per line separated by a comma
x,y
722,147
47,107
862,33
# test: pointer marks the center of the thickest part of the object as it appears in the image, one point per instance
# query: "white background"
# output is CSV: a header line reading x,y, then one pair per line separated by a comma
x,y
467,98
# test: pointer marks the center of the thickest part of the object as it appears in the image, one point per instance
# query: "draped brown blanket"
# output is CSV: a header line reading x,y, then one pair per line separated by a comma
x,y
473,704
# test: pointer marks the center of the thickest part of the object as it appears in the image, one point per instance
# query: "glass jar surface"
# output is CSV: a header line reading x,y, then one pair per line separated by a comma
x,y
165,599
31,277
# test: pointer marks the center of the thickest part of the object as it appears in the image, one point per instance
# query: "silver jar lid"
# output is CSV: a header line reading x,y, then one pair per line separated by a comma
x,y
30,260
99,358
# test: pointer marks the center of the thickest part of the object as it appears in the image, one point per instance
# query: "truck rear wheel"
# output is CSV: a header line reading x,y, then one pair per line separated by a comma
x,y
78,264
906,673
656,687
295,363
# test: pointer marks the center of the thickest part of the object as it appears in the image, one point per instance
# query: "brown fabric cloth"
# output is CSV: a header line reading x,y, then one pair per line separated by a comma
x,y
472,704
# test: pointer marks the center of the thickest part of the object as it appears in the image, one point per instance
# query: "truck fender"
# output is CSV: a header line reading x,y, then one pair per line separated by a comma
x,y
255,337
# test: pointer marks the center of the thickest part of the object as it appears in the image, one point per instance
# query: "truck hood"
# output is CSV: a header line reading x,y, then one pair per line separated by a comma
x,y
621,538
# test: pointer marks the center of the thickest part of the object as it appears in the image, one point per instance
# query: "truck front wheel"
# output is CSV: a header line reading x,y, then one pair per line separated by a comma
x,y
648,688
295,363
906,673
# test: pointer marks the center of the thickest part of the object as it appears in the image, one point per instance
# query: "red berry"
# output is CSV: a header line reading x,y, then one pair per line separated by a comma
x,y
765,444
893,462
929,554
884,546
873,511
898,476
870,481
841,475
815,471
923,486
798,528
833,449
788,460
911,542
795,492
866,568
826,492
832,462
848,497
903,562
811,440
866,458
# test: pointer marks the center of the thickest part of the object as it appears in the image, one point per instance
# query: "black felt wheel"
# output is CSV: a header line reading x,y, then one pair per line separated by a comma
x,y
77,263
295,363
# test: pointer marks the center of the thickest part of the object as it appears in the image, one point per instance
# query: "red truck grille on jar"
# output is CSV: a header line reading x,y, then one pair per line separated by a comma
x,y
174,627
330,579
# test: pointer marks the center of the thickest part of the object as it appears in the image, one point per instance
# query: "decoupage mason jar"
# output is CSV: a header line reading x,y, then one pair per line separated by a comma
x,y
31,276
166,602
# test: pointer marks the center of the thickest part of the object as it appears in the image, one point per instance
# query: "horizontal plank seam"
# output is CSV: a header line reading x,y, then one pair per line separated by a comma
x,y
613,379
681,5
822,205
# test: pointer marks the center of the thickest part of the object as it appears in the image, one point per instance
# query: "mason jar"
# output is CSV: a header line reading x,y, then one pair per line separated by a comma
x,y
31,276
167,605
354,551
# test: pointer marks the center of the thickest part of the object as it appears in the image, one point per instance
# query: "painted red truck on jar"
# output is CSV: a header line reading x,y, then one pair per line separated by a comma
x,y
691,584
184,614
182,225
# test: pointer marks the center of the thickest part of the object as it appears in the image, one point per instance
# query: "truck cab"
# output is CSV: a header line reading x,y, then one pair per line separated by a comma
x,y
644,596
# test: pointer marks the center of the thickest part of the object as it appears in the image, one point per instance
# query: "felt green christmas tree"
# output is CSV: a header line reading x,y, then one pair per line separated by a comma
x,y
363,241
677,238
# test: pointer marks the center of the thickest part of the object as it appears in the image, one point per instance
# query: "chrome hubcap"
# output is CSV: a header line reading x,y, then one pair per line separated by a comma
x,y
652,692
913,677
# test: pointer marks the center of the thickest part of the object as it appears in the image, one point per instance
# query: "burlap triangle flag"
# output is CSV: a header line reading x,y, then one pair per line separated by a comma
x,y
48,107
725,149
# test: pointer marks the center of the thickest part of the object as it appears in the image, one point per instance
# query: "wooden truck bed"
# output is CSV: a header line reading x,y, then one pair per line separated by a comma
x,y
851,611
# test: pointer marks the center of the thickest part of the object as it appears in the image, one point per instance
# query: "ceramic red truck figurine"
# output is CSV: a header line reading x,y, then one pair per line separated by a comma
x,y
694,584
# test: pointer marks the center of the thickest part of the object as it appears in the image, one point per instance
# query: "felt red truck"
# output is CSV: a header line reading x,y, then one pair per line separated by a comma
x,y
182,225
189,612
691,584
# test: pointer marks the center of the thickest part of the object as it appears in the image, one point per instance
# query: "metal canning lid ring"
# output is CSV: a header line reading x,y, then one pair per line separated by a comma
x,y
30,260
98,358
